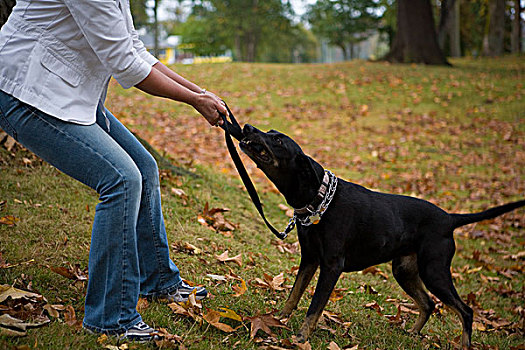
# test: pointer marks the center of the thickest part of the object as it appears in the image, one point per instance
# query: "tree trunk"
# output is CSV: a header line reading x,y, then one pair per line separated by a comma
x,y
344,50
156,29
493,40
447,6
5,10
416,38
454,30
238,46
516,28
250,47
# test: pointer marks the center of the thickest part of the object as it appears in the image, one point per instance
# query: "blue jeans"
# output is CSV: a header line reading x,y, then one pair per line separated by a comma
x,y
129,252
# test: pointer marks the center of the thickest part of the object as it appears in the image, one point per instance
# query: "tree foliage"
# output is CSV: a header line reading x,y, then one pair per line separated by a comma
x,y
139,13
251,29
344,22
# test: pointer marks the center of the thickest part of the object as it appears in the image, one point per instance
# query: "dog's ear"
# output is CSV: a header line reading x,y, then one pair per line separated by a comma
x,y
309,168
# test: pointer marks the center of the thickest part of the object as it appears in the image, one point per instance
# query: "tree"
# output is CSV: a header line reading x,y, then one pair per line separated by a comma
x,y
495,29
343,22
516,27
139,13
241,25
473,14
416,39
449,26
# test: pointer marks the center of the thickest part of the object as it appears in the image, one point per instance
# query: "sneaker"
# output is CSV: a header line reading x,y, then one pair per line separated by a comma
x,y
141,333
183,292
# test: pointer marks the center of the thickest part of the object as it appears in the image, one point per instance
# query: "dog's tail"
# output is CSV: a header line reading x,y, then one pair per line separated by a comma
x,y
465,219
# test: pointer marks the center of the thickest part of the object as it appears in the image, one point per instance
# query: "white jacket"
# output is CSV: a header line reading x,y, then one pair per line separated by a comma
x,y
58,55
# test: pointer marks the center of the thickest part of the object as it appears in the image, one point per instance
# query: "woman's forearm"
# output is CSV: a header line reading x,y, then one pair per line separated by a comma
x,y
159,84
179,79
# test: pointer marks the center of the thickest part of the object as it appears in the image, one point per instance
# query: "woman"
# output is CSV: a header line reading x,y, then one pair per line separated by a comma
x,y
56,59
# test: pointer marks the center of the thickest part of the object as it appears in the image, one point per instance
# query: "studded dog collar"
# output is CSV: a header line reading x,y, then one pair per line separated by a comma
x,y
312,213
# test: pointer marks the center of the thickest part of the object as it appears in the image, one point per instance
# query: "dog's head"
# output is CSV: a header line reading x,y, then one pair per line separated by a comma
x,y
295,174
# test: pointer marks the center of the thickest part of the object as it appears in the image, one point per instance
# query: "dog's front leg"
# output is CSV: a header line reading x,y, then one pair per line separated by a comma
x,y
306,271
327,279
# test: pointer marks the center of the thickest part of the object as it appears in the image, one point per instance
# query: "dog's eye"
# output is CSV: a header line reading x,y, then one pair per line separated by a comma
x,y
278,140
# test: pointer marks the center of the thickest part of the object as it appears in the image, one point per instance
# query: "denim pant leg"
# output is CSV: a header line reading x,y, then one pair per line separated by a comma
x,y
158,273
88,154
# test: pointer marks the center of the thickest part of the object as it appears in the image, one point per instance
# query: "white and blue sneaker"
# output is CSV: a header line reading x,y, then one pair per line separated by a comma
x,y
141,333
183,292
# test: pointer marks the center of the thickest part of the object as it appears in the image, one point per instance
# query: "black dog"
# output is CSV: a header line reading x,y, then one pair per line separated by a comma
x,y
361,228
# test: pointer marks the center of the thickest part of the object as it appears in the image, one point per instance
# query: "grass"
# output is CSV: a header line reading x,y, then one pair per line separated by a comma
x,y
454,136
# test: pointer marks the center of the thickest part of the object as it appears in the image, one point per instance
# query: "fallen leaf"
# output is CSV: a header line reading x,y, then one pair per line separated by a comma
x,y
374,270
179,193
334,317
73,272
220,278
333,346
239,289
168,340
288,211
53,310
214,219
102,339
14,327
337,294
302,346
375,306
263,323
70,317
7,291
273,283
186,248
9,220
355,347
396,319
213,317
142,304
225,258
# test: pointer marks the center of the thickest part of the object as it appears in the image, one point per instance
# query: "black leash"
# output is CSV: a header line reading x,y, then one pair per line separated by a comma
x,y
234,129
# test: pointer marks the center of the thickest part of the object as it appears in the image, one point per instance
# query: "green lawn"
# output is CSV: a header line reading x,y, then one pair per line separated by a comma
x,y
453,136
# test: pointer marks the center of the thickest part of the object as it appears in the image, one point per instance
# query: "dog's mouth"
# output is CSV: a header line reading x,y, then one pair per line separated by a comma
x,y
255,150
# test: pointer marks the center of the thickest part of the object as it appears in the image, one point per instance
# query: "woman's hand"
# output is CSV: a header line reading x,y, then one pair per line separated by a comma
x,y
209,106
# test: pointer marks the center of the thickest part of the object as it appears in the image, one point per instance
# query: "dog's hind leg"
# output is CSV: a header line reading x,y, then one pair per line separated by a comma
x,y
306,271
434,268
406,274
328,277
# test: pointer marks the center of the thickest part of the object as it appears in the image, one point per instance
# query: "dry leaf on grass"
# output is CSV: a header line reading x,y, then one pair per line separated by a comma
x,y
301,346
72,272
273,283
239,289
9,220
333,346
12,326
225,258
263,323
7,291
213,317
214,219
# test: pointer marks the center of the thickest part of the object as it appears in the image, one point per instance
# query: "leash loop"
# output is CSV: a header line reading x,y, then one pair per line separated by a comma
x,y
234,129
